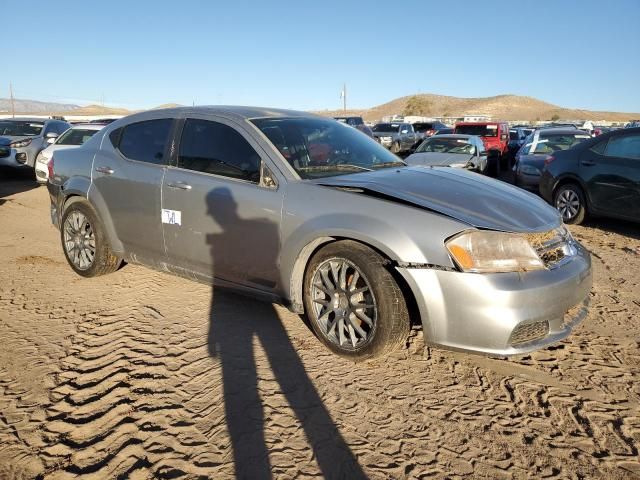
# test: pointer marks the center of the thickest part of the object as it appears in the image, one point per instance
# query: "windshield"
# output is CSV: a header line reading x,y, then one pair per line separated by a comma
x,y
20,129
479,130
75,136
318,148
386,127
552,143
446,145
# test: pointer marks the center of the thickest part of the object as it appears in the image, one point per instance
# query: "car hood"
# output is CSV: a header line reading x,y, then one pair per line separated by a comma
x,y
7,139
471,198
436,159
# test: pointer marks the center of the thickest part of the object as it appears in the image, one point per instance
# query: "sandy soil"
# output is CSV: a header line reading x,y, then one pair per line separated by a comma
x,y
143,375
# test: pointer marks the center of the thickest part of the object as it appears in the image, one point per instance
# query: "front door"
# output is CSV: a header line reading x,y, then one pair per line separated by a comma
x,y
220,220
127,175
613,176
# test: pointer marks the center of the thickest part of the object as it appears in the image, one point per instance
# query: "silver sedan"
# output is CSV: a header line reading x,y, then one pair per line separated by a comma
x,y
302,210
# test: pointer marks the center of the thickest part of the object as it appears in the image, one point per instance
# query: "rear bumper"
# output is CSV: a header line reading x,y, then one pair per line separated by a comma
x,y
492,313
55,208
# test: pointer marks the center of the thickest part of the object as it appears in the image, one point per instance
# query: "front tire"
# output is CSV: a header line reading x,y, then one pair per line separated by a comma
x,y
84,242
569,200
353,303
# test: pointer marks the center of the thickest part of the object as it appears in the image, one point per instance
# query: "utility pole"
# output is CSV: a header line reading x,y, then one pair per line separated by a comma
x,y
13,104
344,97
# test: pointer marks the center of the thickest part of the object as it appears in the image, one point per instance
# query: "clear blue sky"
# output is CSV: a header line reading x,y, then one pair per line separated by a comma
x,y
297,54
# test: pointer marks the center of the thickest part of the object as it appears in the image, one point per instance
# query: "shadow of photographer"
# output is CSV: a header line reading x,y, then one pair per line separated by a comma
x,y
235,323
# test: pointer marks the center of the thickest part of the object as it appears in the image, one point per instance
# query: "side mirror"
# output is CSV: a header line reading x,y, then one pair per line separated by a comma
x,y
51,135
51,140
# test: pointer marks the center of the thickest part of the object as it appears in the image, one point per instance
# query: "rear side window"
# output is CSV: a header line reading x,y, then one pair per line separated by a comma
x,y
215,148
145,141
75,136
627,146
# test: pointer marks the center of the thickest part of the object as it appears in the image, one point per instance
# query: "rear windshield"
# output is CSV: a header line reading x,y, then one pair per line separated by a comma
x,y
20,129
479,130
386,127
552,143
75,136
446,145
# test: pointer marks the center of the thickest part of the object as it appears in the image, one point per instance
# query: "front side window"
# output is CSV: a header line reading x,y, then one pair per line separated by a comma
x,y
627,146
215,148
75,136
145,141
323,148
12,128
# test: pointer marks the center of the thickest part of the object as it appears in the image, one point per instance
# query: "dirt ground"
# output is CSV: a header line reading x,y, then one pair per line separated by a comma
x,y
140,374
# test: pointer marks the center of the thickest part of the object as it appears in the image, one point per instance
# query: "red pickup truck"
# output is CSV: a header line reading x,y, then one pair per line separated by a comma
x,y
495,136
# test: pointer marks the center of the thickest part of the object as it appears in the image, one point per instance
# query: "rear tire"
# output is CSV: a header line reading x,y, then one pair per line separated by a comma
x,y
353,303
84,242
569,200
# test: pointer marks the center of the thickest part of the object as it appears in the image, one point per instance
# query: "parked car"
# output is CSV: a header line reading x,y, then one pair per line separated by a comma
x,y
633,124
460,151
495,136
71,138
396,136
517,136
249,199
357,123
22,138
544,142
427,129
600,176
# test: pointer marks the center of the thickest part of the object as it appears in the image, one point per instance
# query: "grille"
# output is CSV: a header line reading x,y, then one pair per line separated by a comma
x,y
4,152
553,246
527,332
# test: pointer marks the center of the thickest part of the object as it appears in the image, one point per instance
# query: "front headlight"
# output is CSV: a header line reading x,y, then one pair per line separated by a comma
x,y
483,252
21,143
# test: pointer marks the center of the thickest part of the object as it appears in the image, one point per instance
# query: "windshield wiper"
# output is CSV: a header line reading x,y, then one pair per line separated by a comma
x,y
390,164
338,166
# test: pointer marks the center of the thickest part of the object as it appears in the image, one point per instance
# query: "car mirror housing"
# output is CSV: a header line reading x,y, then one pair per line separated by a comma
x,y
53,135
51,139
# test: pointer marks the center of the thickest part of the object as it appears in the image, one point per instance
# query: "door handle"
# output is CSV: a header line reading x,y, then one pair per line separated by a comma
x,y
587,163
105,170
179,186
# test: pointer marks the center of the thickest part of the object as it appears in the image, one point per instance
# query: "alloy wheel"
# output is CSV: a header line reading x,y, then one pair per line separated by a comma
x,y
568,204
79,240
344,305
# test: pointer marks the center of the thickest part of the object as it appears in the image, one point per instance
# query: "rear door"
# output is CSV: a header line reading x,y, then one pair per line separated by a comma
x,y
611,170
221,219
127,174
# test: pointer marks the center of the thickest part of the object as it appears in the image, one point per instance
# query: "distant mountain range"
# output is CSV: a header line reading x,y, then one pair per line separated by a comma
x,y
35,106
501,107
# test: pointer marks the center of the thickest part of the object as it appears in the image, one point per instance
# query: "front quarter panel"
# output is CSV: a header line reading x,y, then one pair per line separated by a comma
x,y
405,234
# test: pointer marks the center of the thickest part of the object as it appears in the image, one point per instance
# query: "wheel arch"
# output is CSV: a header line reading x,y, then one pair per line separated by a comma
x,y
96,202
310,249
567,179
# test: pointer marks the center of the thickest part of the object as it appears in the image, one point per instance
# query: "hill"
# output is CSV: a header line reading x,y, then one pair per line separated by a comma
x,y
503,107
34,106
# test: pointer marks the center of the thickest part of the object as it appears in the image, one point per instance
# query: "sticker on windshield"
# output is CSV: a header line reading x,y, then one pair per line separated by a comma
x,y
583,136
462,141
171,217
492,127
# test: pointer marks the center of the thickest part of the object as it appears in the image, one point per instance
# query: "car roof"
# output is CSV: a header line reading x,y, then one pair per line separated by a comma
x,y
88,126
459,136
237,112
29,119
562,130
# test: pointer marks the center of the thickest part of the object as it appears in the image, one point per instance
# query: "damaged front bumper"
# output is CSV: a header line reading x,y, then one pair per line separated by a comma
x,y
501,314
